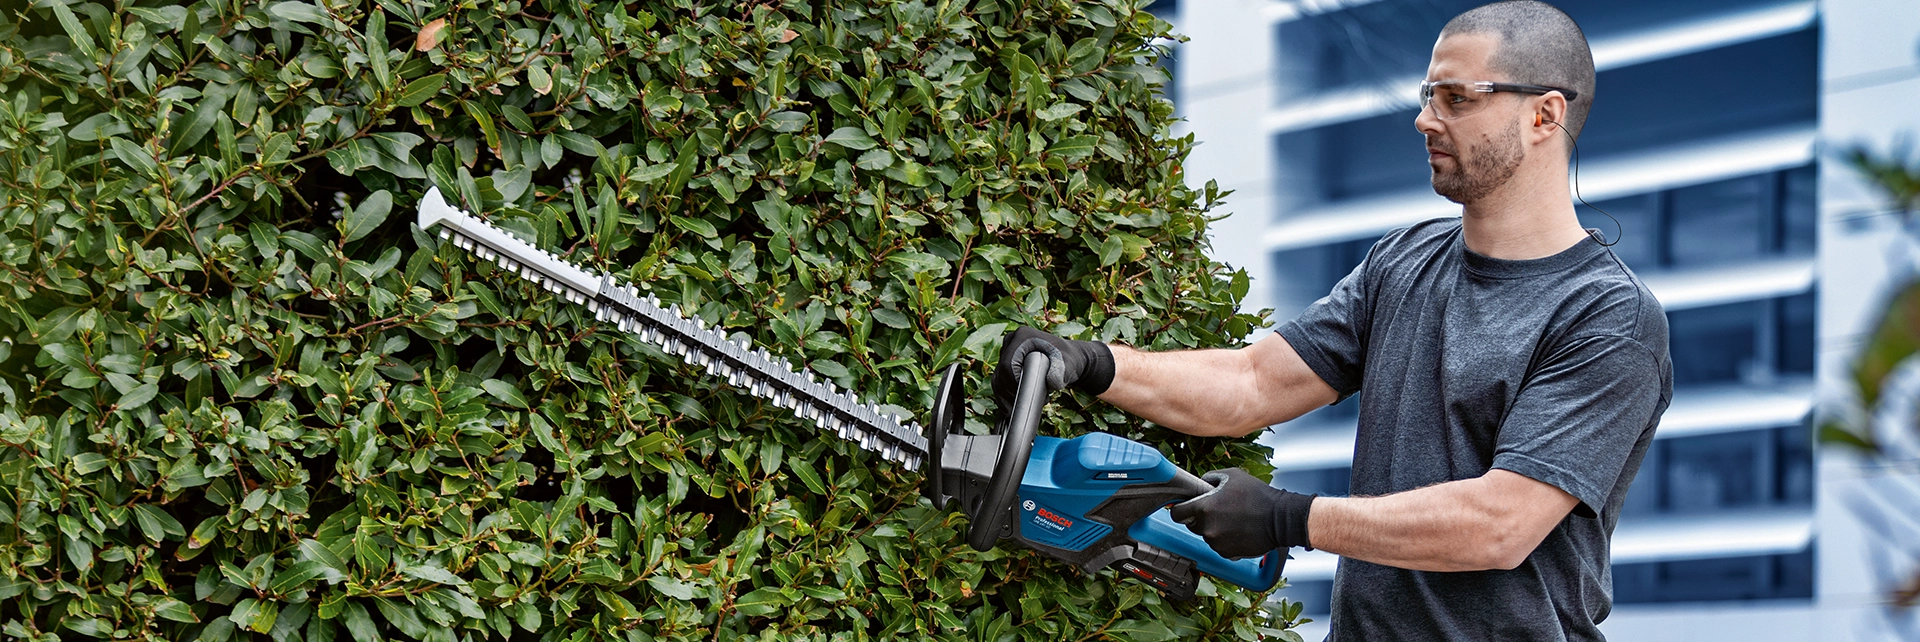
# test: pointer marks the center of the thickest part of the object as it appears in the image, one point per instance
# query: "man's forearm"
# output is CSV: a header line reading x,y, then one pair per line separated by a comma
x,y
1491,522
1215,392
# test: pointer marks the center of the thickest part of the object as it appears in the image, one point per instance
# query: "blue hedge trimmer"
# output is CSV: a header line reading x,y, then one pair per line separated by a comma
x,y
1095,501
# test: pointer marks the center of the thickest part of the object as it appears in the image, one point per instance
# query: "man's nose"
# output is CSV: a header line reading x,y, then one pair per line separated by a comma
x,y
1427,123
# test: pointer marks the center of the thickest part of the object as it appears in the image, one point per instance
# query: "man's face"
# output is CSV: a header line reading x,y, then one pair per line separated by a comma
x,y
1471,155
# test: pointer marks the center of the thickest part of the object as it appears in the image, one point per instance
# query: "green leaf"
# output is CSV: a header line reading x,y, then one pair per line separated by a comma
x,y
1059,111
208,529
697,226
313,550
198,122
419,91
172,609
359,625
670,587
157,524
135,156
893,318
298,12
1074,148
219,630
853,138
787,121
505,392
98,127
366,217
1140,631
139,396
375,44
685,162
429,573
652,173
761,601
254,615
87,463
276,148
294,577
807,476
876,160
82,41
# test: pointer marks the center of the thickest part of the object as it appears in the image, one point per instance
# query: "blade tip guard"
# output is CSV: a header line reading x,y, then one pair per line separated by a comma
x,y
434,209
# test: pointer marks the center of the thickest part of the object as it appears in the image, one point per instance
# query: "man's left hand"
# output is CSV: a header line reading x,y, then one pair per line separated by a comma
x,y
1243,517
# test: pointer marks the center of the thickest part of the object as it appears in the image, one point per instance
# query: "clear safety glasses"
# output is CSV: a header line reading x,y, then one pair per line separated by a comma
x,y
1455,98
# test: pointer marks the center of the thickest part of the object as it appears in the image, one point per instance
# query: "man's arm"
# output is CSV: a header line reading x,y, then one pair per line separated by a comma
x,y
1215,393
1490,522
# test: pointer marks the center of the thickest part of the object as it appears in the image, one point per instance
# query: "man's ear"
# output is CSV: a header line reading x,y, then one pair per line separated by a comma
x,y
1549,114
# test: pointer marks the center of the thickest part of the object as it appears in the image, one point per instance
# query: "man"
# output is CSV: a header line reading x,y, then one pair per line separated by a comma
x,y
1514,371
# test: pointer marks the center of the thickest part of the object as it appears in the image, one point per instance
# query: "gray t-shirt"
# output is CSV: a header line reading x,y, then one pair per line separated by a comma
x,y
1553,368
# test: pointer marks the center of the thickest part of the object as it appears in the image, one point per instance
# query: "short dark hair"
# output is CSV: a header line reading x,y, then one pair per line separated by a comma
x,y
1540,45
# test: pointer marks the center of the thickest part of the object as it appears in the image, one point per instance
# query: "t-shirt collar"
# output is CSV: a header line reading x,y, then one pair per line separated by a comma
x,y
1488,266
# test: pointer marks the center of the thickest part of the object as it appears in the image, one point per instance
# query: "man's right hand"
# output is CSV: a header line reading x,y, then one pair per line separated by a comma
x,y
1085,365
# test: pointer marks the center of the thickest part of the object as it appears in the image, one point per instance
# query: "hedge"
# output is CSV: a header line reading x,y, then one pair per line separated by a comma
x,y
244,397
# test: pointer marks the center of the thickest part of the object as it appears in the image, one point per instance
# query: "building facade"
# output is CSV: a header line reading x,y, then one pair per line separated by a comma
x,y
1710,145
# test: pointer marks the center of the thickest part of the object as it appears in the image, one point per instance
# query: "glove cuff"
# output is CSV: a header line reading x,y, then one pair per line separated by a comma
x,y
1290,513
1098,374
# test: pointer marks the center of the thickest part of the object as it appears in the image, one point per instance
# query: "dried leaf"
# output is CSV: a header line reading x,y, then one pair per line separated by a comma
x,y
430,35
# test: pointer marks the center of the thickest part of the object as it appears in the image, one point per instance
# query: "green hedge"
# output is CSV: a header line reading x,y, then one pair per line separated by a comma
x,y
244,397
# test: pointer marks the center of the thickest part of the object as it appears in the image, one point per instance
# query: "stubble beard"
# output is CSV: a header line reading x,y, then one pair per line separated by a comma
x,y
1480,171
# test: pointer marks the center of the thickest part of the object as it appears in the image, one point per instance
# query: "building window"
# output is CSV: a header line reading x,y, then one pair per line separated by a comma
x,y
1745,470
1719,222
1752,342
1758,577
1716,343
1736,220
1304,275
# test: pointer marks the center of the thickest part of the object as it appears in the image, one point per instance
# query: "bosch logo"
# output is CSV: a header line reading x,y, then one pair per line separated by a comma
x,y
1027,505
1055,518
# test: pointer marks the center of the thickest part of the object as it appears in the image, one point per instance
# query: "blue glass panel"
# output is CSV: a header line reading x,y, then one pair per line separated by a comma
x,y
1636,232
1798,214
1797,317
1713,344
1760,577
1720,222
1712,472
1794,470
1729,90
1373,156
1301,276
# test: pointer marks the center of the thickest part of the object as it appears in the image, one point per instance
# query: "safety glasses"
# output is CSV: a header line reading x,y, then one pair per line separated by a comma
x,y
1451,99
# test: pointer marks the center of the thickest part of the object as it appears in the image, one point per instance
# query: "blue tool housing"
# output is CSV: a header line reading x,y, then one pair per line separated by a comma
x,y
1067,501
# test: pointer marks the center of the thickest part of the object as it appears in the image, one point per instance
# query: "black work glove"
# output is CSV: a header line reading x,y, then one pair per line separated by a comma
x,y
1085,365
1243,517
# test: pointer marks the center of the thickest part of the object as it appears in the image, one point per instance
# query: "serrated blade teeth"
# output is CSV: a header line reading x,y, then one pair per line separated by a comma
x,y
678,330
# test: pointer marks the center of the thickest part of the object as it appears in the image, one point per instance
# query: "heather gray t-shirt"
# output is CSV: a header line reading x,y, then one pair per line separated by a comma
x,y
1553,368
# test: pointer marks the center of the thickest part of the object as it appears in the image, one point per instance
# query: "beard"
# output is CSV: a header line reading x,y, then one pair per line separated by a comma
x,y
1482,169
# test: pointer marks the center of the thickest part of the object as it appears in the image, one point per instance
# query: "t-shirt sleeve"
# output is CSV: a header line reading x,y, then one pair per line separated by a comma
x,y
1577,418
1331,335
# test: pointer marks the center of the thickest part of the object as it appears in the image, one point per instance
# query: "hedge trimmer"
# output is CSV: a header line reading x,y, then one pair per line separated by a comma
x,y
1095,501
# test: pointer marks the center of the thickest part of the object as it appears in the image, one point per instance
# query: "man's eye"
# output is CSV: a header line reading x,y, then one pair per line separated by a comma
x,y
1455,99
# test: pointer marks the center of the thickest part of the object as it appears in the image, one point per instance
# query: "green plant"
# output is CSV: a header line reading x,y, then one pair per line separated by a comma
x,y
244,396
1896,336
1854,421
